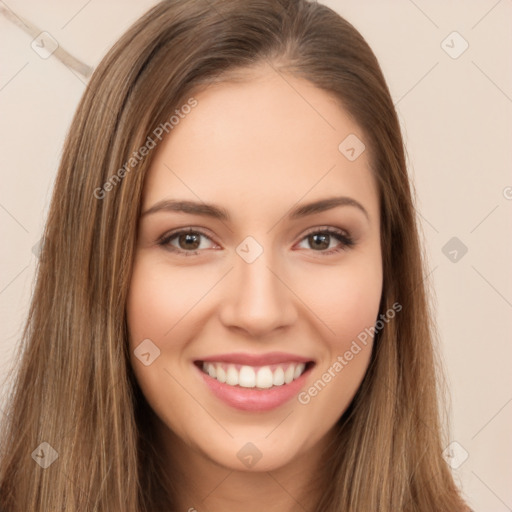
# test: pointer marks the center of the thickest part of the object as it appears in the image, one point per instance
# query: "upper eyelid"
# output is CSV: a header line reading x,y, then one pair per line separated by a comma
x,y
327,228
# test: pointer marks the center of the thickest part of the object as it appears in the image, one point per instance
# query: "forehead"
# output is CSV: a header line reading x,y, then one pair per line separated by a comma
x,y
269,136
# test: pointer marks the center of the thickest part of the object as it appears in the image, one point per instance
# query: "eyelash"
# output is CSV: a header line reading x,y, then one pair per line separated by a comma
x,y
346,240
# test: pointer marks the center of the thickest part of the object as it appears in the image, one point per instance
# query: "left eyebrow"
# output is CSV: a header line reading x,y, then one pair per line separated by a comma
x,y
325,204
217,212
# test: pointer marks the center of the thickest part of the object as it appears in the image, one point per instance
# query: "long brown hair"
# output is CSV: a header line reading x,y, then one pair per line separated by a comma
x,y
74,388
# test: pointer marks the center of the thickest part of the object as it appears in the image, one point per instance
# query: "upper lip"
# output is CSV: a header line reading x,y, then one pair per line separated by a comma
x,y
256,359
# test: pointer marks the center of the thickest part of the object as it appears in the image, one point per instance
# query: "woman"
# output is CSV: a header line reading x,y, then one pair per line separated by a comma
x,y
230,310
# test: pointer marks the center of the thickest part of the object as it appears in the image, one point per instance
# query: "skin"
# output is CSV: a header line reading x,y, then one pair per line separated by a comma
x,y
256,148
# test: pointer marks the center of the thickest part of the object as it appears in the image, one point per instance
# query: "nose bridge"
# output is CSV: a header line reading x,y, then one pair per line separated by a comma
x,y
259,301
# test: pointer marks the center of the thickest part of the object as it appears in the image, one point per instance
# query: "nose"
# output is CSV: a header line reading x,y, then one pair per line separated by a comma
x,y
258,299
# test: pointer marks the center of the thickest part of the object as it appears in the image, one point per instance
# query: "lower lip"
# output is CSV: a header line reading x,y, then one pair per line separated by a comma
x,y
254,399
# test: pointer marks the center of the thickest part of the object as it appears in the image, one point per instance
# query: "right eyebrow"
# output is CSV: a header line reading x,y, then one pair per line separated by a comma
x,y
191,207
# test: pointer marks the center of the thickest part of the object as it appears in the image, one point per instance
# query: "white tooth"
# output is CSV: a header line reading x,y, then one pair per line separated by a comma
x,y
221,374
264,378
288,374
298,370
211,370
205,367
247,377
232,376
278,378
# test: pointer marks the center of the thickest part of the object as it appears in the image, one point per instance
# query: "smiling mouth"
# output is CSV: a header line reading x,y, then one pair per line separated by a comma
x,y
257,377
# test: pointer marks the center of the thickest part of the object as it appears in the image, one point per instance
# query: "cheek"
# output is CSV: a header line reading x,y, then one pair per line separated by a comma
x,y
345,298
163,305
146,300
159,299
157,305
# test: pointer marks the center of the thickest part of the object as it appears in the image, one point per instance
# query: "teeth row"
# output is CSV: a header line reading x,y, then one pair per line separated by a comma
x,y
249,377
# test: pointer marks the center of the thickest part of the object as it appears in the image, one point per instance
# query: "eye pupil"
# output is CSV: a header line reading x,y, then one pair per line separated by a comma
x,y
323,237
188,238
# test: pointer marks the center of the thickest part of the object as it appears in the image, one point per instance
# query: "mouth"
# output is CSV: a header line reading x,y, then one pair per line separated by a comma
x,y
254,383
254,377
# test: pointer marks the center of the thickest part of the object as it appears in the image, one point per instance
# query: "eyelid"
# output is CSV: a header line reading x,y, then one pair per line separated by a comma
x,y
322,229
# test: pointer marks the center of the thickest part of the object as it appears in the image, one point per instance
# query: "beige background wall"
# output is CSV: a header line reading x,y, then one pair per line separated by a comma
x,y
455,108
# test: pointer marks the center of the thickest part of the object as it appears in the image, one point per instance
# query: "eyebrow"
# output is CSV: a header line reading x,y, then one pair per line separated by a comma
x,y
217,212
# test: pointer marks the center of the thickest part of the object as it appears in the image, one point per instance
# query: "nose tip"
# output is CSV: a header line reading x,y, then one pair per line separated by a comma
x,y
257,300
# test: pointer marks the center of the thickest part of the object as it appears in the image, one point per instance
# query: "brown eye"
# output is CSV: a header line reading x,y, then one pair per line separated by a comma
x,y
320,241
190,241
186,243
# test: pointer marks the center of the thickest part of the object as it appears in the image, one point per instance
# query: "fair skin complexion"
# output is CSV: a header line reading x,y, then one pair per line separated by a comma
x,y
258,149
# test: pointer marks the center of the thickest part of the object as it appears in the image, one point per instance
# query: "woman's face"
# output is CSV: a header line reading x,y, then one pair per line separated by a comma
x,y
243,333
